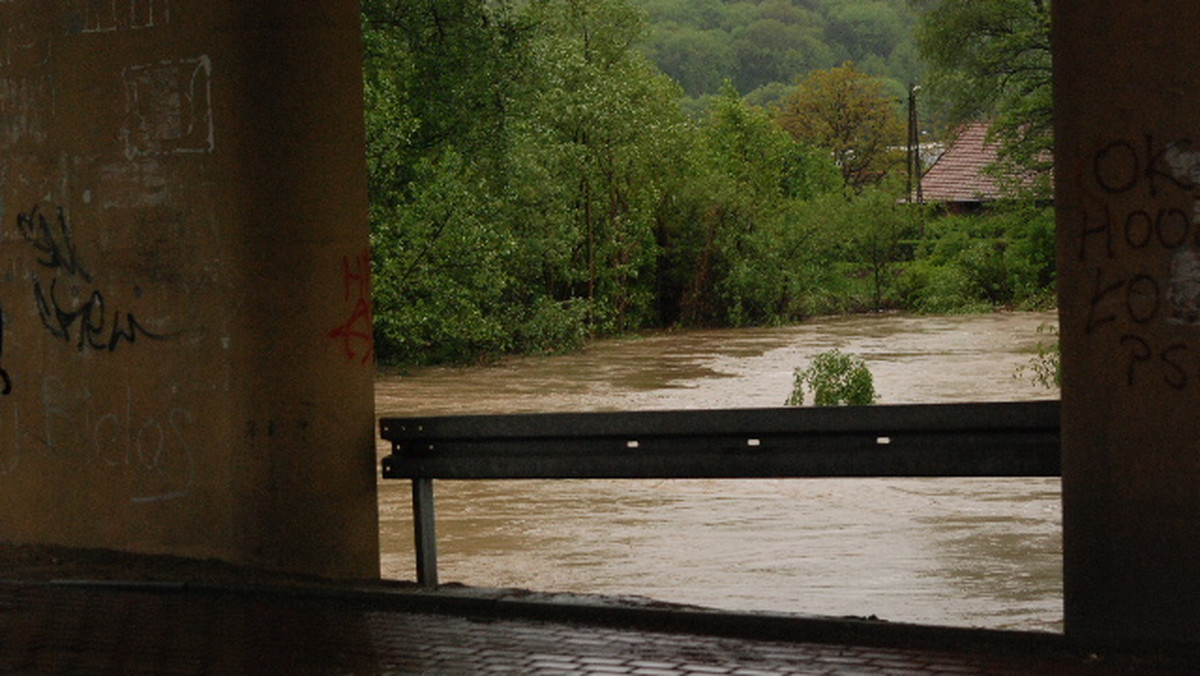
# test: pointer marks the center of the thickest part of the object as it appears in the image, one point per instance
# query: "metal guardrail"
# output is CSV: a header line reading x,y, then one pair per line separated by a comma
x,y
1012,439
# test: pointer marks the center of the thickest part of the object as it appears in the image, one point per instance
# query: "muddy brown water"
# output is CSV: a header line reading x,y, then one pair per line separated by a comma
x,y
963,552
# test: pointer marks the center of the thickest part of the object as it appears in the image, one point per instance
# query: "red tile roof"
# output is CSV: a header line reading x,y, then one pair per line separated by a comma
x,y
959,175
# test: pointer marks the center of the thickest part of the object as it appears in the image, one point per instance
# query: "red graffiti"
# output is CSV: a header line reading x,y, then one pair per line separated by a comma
x,y
356,333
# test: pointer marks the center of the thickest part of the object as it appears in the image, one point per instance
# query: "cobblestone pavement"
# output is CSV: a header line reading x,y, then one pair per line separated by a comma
x,y
176,629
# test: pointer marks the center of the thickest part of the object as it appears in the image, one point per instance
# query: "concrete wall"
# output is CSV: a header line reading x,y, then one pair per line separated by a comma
x,y
186,362
1128,195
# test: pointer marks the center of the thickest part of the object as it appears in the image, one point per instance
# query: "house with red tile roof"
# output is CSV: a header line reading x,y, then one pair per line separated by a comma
x,y
960,179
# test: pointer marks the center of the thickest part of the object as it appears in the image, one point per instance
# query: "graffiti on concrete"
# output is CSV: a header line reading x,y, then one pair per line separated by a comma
x,y
138,439
70,308
144,445
52,238
1140,245
24,112
168,108
147,444
27,90
6,382
107,16
356,333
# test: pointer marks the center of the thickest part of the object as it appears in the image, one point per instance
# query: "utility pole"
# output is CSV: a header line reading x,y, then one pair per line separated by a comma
x,y
914,146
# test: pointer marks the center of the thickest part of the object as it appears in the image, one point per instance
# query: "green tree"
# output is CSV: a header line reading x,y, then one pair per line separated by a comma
x,y
441,280
771,41
862,240
738,253
702,14
991,59
598,131
390,120
769,50
848,113
872,226
698,59
449,64
519,158
867,28
437,79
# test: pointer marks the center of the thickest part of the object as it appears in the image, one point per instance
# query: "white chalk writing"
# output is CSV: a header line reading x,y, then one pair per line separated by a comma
x,y
168,108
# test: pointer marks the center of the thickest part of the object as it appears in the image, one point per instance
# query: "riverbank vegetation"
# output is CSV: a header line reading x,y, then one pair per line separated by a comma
x,y
536,178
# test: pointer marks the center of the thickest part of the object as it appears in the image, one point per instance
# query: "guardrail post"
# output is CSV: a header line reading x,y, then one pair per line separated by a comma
x,y
425,532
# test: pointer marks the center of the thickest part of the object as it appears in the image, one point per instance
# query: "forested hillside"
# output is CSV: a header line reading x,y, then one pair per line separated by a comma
x,y
763,46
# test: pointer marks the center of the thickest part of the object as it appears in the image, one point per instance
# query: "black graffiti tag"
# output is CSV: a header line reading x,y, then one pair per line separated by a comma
x,y
1122,165
53,239
89,320
69,307
1139,240
6,383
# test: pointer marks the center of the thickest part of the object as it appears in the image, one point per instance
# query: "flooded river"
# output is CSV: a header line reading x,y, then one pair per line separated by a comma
x,y
966,552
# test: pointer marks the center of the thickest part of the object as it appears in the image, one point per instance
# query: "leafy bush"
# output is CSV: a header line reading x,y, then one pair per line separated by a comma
x,y
1045,367
936,289
549,326
835,379
1003,258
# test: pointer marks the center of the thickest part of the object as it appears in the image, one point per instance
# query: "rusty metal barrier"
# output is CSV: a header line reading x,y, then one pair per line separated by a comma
x,y
1010,439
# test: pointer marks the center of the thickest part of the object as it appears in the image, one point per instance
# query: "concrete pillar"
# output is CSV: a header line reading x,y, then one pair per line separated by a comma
x,y
1127,86
185,356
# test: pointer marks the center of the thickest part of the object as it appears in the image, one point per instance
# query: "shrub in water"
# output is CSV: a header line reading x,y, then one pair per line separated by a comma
x,y
1045,368
835,379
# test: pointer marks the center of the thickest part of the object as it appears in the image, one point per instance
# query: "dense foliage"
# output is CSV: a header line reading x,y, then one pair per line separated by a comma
x,y
534,181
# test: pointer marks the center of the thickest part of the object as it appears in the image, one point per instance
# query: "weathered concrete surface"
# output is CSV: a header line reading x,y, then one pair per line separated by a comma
x,y
1128,196
186,356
